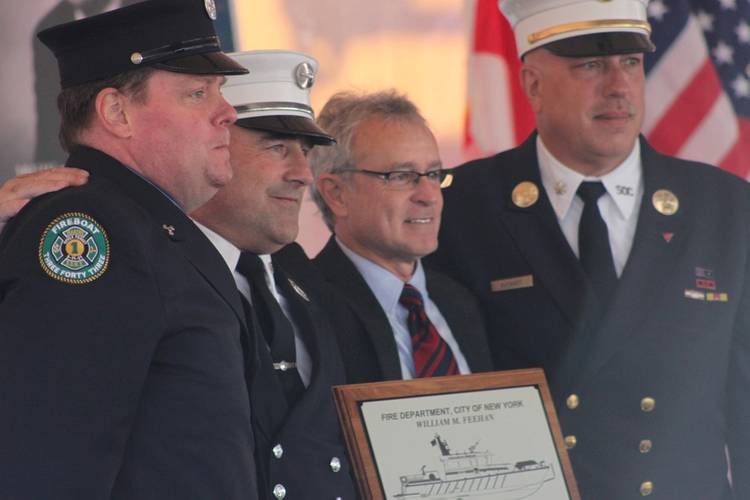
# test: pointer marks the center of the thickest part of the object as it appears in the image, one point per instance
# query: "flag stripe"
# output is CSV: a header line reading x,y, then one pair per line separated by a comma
x,y
716,135
672,72
736,160
688,110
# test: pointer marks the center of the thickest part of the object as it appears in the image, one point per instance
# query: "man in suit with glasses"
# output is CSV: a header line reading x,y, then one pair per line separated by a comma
x,y
379,189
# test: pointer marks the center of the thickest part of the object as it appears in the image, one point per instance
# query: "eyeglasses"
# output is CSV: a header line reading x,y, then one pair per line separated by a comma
x,y
405,179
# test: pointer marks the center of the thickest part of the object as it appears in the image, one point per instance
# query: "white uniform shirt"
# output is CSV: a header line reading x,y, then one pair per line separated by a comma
x,y
619,207
231,255
387,288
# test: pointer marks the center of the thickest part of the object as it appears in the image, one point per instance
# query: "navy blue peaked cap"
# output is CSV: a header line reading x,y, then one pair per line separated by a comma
x,y
173,35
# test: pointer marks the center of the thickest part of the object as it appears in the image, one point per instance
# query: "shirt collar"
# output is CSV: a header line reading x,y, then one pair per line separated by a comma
x,y
231,255
386,286
229,252
561,183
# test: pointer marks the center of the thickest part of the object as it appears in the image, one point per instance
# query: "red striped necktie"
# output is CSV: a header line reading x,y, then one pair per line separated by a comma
x,y
432,355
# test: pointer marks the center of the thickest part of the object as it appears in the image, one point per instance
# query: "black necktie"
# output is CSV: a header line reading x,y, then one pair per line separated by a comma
x,y
593,242
275,326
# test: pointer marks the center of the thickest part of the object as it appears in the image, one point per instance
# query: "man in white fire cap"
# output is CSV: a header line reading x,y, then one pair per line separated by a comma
x,y
299,447
622,272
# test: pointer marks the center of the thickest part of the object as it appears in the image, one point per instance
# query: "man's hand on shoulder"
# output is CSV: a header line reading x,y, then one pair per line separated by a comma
x,y
18,191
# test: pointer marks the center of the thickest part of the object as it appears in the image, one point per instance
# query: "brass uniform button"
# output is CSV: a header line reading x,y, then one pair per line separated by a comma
x,y
570,442
645,446
573,401
647,487
665,202
525,194
648,404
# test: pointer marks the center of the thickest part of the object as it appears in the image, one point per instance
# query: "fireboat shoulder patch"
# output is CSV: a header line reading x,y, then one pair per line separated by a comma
x,y
74,249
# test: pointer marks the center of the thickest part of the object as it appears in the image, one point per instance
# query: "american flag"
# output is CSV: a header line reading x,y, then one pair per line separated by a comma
x,y
697,87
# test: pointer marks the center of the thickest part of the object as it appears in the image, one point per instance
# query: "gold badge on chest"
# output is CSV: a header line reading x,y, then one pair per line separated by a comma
x,y
525,194
665,202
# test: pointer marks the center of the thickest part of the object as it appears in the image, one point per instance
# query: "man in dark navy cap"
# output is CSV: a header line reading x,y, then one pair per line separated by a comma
x,y
620,271
122,366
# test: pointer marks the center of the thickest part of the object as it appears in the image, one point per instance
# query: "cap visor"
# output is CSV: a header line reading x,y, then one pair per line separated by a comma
x,y
208,63
601,44
288,125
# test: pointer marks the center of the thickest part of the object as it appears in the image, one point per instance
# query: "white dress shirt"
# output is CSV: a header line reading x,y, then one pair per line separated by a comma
x,y
387,288
231,255
619,207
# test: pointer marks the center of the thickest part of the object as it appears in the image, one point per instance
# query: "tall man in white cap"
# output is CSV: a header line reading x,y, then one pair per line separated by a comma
x,y
122,371
622,272
299,447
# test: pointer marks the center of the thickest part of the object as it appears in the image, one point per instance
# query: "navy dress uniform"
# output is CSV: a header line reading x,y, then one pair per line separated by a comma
x,y
300,451
650,391
300,444
121,369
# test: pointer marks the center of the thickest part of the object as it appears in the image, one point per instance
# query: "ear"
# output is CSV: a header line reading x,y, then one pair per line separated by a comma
x,y
333,191
111,109
531,82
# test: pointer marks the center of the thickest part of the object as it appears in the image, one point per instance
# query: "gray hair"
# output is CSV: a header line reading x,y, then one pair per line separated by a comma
x,y
340,117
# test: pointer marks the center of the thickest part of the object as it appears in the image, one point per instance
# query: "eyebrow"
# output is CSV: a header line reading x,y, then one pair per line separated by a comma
x,y
208,78
278,136
410,165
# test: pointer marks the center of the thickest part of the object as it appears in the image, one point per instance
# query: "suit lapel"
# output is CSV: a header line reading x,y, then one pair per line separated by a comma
x,y
658,243
536,232
208,262
339,270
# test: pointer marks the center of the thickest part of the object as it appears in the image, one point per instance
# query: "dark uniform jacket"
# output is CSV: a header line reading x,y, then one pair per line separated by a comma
x,y
370,347
301,448
661,385
130,385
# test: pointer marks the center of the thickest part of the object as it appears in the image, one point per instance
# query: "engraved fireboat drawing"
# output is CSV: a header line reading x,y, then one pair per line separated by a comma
x,y
474,473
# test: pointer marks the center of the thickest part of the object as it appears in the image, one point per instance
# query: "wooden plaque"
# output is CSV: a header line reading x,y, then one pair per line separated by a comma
x,y
491,435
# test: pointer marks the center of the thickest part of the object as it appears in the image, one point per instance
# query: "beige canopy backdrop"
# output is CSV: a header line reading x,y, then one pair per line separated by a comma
x,y
416,46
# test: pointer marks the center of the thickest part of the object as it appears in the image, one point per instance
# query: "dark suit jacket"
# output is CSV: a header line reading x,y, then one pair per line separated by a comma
x,y
131,386
371,352
662,336
309,432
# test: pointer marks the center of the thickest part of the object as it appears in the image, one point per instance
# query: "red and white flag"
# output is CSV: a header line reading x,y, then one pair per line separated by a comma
x,y
498,116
